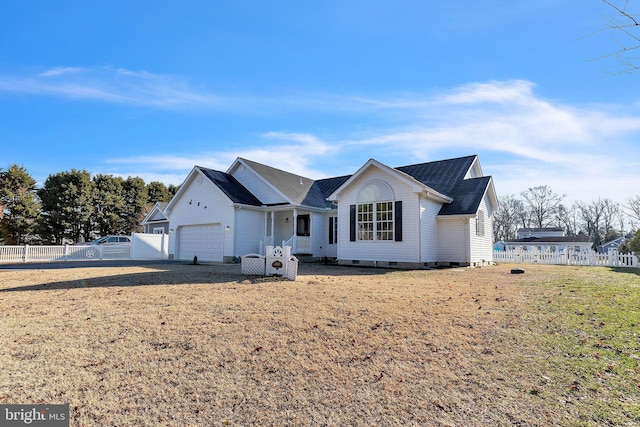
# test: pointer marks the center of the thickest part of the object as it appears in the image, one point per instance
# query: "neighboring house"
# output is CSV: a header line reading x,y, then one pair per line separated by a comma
x,y
551,239
541,232
499,245
612,245
428,214
156,221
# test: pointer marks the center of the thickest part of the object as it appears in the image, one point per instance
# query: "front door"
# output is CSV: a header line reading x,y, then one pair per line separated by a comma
x,y
303,234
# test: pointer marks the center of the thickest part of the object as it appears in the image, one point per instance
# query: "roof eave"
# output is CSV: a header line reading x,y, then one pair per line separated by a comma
x,y
434,195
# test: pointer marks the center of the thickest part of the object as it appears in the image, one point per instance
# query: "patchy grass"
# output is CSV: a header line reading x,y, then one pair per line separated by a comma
x,y
203,345
588,323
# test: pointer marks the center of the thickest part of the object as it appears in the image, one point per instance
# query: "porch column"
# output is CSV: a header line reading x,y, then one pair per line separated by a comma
x,y
266,216
273,224
294,245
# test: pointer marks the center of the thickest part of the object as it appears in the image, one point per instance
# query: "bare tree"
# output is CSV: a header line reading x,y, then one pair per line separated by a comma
x,y
569,219
542,204
610,214
633,207
591,215
599,218
507,220
625,22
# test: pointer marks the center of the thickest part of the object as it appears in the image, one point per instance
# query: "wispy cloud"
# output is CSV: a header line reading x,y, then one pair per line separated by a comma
x,y
58,71
115,85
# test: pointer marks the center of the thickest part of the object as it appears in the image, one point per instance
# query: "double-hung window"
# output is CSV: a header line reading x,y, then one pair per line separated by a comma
x,y
375,221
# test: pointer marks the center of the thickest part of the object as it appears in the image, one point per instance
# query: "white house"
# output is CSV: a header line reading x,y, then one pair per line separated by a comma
x,y
549,239
428,214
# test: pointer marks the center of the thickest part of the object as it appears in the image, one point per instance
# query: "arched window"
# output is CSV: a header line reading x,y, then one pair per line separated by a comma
x,y
375,215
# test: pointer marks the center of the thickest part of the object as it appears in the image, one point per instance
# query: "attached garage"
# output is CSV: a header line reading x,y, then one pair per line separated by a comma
x,y
204,241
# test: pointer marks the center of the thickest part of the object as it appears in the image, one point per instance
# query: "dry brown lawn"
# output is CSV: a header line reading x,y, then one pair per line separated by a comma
x,y
184,345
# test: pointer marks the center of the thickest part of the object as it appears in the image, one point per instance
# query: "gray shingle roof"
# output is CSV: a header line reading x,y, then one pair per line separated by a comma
x,y
553,239
467,196
444,176
441,175
447,177
294,187
321,189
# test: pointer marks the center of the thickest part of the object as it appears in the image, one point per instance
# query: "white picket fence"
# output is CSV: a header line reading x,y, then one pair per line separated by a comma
x,y
611,259
143,246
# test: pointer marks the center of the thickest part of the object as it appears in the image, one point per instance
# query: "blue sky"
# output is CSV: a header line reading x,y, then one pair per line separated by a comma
x,y
151,89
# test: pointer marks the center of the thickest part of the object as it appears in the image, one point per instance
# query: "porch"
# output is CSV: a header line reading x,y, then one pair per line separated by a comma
x,y
290,227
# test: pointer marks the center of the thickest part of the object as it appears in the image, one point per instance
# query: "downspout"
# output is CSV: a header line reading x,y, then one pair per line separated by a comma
x,y
311,232
420,230
468,240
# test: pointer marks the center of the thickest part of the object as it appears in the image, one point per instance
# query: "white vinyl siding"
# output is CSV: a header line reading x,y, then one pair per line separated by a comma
x,y
249,231
380,250
429,230
453,238
482,244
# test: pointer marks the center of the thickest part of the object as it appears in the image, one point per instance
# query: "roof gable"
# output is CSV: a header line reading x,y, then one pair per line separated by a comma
x,y
156,214
293,188
415,185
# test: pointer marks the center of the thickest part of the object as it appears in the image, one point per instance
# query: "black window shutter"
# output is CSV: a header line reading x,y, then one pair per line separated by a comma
x,y
352,223
398,221
331,230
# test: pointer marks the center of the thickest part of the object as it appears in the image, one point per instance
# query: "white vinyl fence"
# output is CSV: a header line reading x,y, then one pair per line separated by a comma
x,y
143,246
611,259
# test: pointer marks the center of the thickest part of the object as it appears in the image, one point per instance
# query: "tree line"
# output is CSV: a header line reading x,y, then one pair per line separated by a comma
x,y
601,219
73,206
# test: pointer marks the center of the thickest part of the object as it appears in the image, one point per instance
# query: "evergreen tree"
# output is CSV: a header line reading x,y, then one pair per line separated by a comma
x,y
19,206
67,206
157,192
108,205
135,201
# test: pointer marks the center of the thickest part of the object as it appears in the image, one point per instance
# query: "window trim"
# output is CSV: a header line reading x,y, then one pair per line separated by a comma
x,y
480,224
374,220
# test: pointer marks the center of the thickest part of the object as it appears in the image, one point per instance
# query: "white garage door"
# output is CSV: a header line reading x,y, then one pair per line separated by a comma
x,y
203,241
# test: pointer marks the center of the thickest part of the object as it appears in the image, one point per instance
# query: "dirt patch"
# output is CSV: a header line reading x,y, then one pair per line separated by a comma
x,y
204,345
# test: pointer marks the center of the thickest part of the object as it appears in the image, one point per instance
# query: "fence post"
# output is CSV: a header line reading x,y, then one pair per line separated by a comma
x,y
25,254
